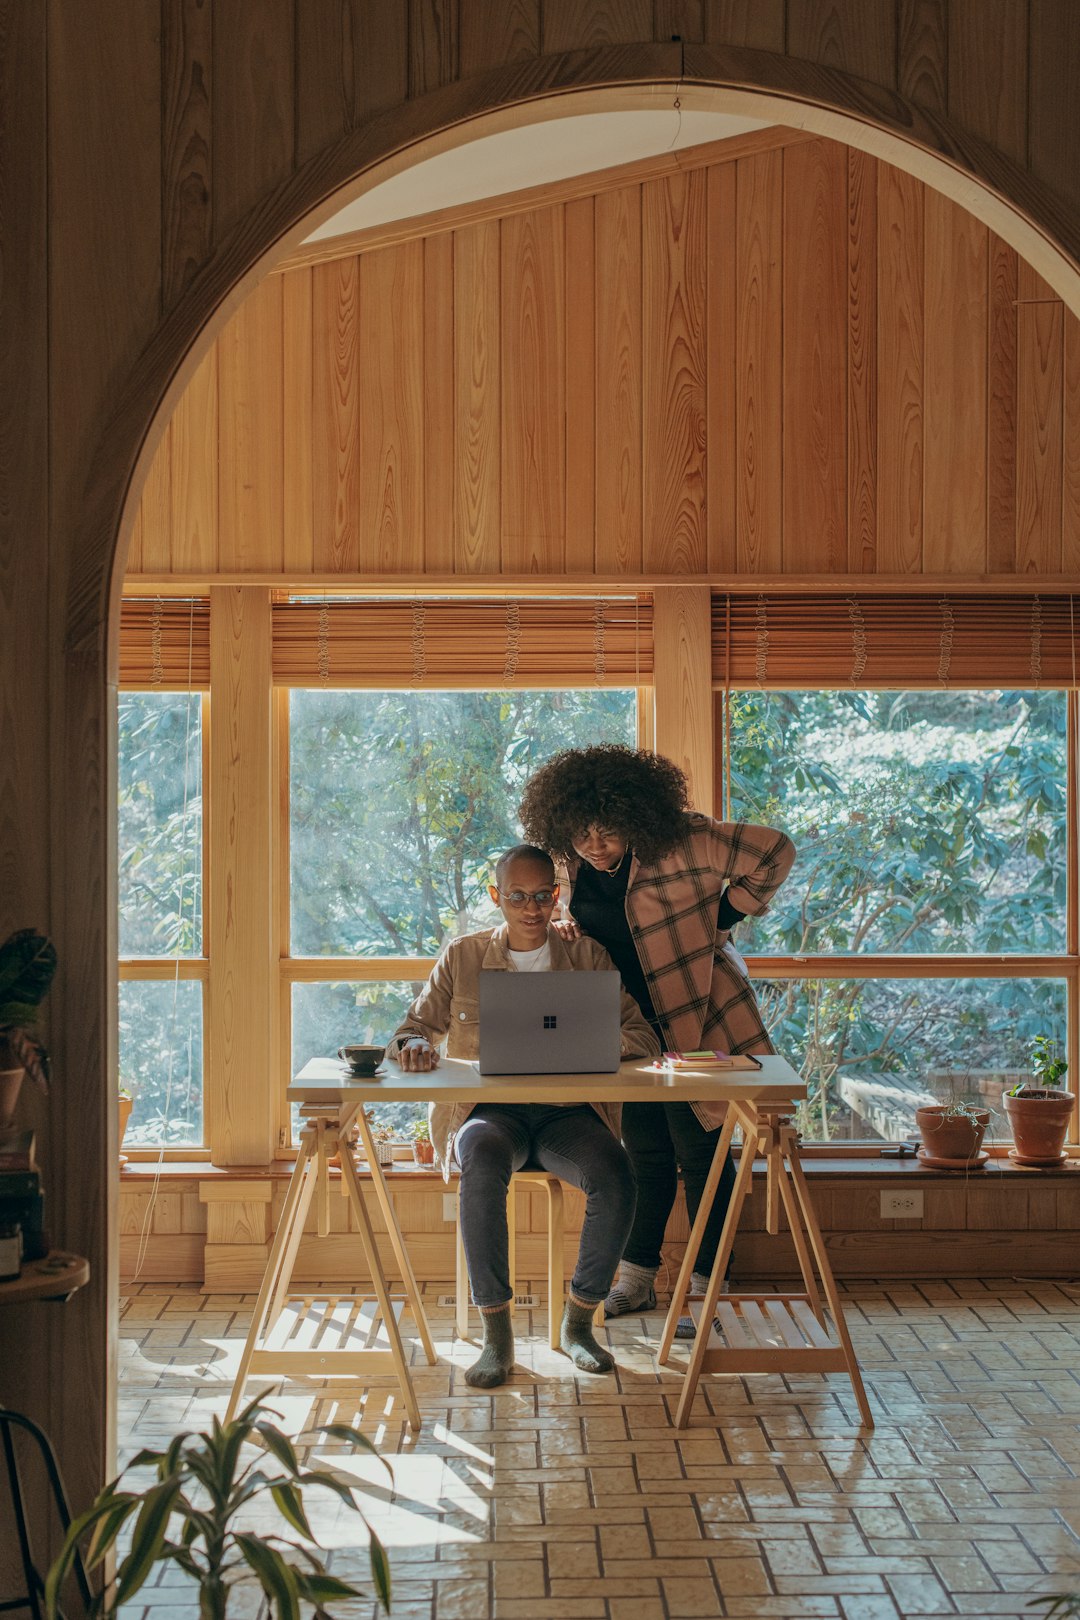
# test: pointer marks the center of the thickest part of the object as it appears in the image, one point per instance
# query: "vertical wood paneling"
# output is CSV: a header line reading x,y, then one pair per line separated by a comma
x,y
1039,369
335,430
857,36
815,359
618,381
956,317
900,372
253,107
1001,406
241,1077
193,472
759,246
682,631
494,35
988,53
440,479
922,44
533,392
570,26
721,454
351,61
1070,493
187,64
673,236
758,24
580,523
156,507
297,384
391,408
862,363
477,404
1053,150
250,402
433,44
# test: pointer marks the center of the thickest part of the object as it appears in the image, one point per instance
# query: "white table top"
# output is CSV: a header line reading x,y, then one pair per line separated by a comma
x,y
327,1080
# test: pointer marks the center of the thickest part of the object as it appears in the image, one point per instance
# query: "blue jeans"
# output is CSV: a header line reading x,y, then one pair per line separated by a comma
x,y
660,1137
575,1145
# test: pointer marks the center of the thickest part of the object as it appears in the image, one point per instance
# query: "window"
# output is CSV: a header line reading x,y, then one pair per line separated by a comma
x,y
921,941
397,803
163,966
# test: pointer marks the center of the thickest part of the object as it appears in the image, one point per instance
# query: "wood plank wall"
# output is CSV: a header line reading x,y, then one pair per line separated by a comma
x,y
147,160
796,361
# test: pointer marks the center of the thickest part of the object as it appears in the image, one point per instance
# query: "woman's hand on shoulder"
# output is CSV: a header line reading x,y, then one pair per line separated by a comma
x,y
566,928
418,1056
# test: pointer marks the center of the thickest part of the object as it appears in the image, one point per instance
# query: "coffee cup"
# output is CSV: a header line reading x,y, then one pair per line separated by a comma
x,y
362,1059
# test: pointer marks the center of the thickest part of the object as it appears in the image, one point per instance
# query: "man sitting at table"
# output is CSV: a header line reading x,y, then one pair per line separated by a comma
x,y
578,1143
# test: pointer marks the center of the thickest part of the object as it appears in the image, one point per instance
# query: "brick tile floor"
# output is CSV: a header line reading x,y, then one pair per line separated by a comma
x,y
566,1496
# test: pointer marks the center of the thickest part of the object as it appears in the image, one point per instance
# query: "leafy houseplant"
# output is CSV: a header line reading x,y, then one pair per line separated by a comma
x,y
27,965
1040,1113
423,1146
199,1490
952,1131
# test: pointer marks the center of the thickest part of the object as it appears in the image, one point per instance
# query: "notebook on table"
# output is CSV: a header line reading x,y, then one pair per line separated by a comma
x,y
550,1023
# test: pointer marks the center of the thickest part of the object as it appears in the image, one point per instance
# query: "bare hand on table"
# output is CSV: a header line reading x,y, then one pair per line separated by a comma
x,y
418,1056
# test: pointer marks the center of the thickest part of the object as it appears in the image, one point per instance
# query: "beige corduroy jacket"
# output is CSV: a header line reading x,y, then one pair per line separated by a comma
x,y
448,1006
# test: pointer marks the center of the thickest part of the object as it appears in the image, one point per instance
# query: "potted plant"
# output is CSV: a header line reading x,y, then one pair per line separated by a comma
x,y
27,965
384,1138
188,1517
124,1104
952,1133
423,1147
1039,1111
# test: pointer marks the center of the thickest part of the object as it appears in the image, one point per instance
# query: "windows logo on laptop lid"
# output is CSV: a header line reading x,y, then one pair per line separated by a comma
x,y
550,1023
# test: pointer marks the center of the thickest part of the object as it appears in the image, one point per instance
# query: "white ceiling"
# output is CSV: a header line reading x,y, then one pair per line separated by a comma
x,y
531,155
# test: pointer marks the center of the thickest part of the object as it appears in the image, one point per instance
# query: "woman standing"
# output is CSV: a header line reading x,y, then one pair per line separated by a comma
x,y
661,887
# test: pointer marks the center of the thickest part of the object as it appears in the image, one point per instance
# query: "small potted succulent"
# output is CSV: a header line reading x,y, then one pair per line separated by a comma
x,y
27,965
952,1132
1040,1110
384,1138
423,1147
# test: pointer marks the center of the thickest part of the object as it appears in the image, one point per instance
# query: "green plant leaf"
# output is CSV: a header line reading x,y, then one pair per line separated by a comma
x,y
147,1538
78,1527
318,1476
108,1528
291,1505
280,1445
320,1589
380,1569
27,965
353,1437
276,1577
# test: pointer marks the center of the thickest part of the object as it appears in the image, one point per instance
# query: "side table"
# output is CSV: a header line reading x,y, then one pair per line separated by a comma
x,y
56,1277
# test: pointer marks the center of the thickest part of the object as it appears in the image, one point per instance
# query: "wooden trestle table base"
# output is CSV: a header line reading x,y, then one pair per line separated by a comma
x,y
757,1333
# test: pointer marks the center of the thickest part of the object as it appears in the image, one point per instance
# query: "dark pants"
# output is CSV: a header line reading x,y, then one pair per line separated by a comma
x,y
575,1145
660,1138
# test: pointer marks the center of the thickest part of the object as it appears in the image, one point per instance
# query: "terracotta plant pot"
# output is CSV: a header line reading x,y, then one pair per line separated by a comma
x,y
424,1152
1040,1121
124,1106
951,1136
10,1085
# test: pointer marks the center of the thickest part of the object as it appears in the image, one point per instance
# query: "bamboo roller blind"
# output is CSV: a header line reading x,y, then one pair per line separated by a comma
x,y
165,644
821,640
464,643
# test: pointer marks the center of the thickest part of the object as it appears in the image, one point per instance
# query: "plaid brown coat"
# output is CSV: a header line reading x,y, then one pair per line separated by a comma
x,y
700,995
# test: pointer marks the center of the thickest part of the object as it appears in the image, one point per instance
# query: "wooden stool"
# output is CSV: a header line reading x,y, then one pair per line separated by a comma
x,y
555,1273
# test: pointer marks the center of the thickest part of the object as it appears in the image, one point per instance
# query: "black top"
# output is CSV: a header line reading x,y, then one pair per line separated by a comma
x,y
599,907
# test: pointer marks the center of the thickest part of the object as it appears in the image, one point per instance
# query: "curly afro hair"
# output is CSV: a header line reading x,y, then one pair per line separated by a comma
x,y
640,796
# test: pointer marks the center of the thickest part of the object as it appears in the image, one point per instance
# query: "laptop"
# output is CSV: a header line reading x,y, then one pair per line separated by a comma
x,y
550,1023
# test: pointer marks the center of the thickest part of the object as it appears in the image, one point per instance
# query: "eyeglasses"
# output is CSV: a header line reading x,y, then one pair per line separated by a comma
x,y
518,897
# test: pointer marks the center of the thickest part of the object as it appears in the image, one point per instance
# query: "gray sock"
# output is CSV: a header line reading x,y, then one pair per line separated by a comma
x,y
699,1281
576,1338
496,1361
632,1291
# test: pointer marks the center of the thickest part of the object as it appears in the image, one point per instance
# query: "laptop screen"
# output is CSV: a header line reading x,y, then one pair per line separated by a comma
x,y
550,1023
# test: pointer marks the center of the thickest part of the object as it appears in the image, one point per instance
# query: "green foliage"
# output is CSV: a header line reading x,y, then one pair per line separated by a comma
x,y
27,966
926,822
1047,1065
1062,1607
189,1515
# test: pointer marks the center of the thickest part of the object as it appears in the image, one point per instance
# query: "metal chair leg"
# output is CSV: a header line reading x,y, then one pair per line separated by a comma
x,y
35,1585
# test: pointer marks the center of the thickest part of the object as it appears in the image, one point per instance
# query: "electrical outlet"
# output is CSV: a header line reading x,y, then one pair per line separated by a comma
x,y
449,1206
905,1206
